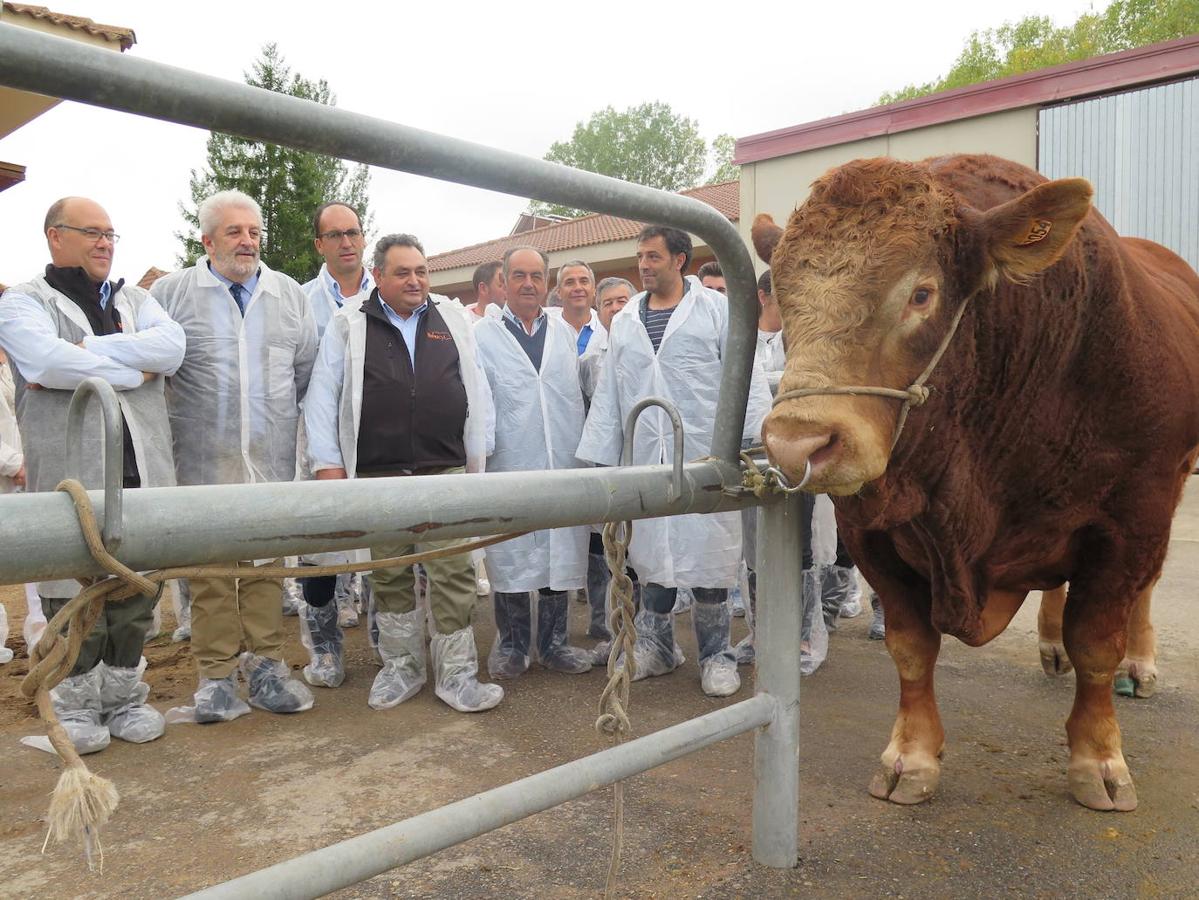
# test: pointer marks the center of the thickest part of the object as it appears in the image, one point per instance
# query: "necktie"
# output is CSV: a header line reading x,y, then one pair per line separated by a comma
x,y
238,291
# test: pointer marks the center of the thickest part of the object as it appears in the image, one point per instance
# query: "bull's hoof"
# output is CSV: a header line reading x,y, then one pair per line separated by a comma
x,y
1054,659
1103,785
907,785
1144,676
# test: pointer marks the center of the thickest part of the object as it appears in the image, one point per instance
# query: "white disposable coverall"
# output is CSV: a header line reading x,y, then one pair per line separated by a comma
x,y
234,403
538,420
678,551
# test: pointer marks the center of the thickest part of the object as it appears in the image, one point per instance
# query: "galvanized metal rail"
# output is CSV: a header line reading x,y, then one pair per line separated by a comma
x,y
40,538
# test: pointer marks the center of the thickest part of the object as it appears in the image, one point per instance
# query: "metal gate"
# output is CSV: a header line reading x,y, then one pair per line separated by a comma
x,y
153,528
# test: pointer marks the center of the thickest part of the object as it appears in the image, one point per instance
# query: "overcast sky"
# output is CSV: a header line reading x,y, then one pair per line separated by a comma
x,y
516,76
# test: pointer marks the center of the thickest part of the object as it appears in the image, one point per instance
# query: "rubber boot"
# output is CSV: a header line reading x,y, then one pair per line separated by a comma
x,y
456,670
76,702
402,646
320,633
597,596
553,651
509,655
717,663
123,705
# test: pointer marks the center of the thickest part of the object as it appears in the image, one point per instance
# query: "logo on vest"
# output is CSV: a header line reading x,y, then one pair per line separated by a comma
x,y
438,336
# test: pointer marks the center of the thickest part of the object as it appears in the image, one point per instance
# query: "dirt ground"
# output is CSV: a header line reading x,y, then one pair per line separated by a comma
x,y
205,804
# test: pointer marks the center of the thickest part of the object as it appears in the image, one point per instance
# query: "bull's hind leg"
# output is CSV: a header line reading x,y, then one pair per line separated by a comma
x,y
911,766
1140,658
1049,632
1095,635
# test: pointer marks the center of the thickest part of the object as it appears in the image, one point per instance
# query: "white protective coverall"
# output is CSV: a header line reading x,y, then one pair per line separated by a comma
x,y
677,551
538,420
234,404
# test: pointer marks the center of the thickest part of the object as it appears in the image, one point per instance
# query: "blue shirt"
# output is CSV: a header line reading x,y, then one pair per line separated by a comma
x,y
584,337
105,293
335,289
407,328
249,284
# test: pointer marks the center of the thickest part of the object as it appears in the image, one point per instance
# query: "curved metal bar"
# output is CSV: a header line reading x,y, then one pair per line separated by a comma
x,y
114,452
781,480
676,421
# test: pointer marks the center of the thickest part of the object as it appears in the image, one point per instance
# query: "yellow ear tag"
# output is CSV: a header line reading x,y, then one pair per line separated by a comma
x,y
1037,231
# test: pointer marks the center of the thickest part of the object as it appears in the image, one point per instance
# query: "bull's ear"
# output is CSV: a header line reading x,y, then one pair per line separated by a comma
x,y
765,235
1027,235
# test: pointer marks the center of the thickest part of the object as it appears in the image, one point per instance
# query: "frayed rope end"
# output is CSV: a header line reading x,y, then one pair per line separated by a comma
x,y
80,805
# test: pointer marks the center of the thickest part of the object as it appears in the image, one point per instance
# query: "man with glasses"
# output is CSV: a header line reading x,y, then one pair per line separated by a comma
x,y
68,324
342,283
235,407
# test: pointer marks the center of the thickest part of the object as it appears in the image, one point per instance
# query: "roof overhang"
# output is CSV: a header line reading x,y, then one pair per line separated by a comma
x,y
1098,75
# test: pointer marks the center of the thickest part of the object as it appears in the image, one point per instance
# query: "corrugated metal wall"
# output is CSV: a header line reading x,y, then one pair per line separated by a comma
x,y
1141,152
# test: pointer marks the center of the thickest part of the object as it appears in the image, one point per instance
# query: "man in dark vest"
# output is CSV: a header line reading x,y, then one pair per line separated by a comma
x,y
397,391
68,324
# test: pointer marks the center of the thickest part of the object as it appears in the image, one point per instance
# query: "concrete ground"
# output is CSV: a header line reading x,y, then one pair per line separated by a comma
x,y
208,803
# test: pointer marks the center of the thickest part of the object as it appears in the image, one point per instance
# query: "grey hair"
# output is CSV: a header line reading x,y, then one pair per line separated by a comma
x,y
545,260
610,282
576,264
394,240
210,208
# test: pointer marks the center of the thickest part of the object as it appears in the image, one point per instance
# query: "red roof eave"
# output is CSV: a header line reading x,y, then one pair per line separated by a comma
x,y
1156,62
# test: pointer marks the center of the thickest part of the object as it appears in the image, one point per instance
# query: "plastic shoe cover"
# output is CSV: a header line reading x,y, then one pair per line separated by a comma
x,y
217,701
683,599
123,704
597,596
482,585
744,651
32,631
655,652
838,585
343,596
717,662
320,633
878,627
814,634
271,686
509,655
155,628
553,651
455,673
293,597
76,702
851,602
737,601
402,646
5,653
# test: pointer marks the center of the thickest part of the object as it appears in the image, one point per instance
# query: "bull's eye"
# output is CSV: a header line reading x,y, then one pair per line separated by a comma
x,y
921,298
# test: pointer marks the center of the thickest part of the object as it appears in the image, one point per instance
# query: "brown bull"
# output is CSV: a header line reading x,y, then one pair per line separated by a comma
x,y
1060,425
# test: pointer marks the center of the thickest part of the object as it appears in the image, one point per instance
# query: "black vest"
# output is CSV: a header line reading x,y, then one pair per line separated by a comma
x,y
410,421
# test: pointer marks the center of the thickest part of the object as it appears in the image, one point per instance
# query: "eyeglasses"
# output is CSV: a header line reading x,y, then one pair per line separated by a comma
x,y
92,234
351,233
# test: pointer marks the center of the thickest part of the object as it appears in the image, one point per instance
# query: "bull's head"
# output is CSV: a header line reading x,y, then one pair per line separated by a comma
x,y
868,275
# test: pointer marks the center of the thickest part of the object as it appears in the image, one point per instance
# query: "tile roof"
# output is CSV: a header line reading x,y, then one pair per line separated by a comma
x,y
124,36
596,228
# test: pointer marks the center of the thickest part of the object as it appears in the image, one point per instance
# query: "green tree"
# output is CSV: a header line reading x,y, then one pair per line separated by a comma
x,y
724,146
288,184
1035,42
648,144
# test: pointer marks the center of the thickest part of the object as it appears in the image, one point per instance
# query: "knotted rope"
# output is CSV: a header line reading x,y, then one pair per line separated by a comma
x,y
82,802
614,701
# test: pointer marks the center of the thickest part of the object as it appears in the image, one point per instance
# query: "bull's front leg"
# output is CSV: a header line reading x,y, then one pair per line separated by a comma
x,y
1095,635
911,765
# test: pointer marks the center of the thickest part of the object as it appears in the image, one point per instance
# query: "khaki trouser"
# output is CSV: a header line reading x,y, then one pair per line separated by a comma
x,y
118,635
451,581
227,610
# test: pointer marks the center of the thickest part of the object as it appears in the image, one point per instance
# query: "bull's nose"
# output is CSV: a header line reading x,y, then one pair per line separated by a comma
x,y
791,446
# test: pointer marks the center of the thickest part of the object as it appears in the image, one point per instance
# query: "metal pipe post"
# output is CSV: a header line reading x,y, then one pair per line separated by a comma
x,y
114,452
777,639
357,859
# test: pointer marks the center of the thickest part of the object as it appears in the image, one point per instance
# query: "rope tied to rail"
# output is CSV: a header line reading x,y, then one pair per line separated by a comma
x,y
614,701
83,802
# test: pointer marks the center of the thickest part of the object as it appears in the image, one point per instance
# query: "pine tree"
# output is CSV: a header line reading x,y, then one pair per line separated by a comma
x,y
288,184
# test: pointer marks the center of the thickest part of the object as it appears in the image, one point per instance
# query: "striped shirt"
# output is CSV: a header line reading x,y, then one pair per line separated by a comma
x,y
656,321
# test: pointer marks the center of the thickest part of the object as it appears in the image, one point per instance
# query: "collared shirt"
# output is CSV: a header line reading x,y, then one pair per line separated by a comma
x,y
537,323
249,284
584,337
407,328
105,293
335,289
